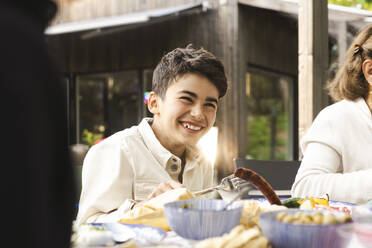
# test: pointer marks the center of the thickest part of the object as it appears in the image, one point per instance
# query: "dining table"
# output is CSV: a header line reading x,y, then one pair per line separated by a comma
x,y
173,240
147,236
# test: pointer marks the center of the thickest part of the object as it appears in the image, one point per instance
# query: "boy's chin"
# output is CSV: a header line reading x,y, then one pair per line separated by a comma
x,y
191,142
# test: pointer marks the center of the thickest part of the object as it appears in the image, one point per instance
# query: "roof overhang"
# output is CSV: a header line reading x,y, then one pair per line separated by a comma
x,y
112,24
335,12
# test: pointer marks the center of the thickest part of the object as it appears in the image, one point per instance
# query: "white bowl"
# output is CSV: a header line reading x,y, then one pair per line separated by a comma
x,y
290,235
203,218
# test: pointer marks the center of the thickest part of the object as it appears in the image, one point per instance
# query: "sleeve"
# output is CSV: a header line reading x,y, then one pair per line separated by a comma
x,y
321,170
107,180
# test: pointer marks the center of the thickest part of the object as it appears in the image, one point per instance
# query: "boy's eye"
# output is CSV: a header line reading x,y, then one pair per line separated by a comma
x,y
186,98
211,105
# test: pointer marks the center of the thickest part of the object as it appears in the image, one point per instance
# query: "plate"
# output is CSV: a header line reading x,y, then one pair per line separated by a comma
x,y
344,207
141,233
333,205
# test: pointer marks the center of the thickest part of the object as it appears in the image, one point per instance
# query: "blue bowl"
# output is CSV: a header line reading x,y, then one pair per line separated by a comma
x,y
203,218
291,235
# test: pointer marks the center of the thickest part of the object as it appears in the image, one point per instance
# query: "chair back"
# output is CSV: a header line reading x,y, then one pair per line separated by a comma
x,y
279,174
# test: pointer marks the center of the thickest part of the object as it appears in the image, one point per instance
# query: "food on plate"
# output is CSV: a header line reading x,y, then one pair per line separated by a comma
x,y
309,203
305,203
155,219
253,208
260,183
152,213
240,236
91,235
312,218
185,205
292,202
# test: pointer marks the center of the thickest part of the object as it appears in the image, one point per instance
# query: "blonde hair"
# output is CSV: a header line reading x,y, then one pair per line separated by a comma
x,y
349,82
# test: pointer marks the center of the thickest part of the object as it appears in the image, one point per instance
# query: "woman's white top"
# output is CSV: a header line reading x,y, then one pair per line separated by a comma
x,y
337,153
128,166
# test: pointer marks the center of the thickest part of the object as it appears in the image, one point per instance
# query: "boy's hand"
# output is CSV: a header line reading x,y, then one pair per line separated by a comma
x,y
164,187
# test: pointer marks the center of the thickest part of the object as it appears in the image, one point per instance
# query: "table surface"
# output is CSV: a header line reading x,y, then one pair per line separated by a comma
x,y
173,240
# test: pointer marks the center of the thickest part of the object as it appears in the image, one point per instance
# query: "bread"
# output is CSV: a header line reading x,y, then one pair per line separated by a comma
x,y
152,212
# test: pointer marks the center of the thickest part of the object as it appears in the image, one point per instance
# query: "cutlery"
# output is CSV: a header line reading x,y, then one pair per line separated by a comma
x,y
229,183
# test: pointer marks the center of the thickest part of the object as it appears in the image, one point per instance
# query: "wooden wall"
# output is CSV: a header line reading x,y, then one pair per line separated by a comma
x,y
269,39
78,10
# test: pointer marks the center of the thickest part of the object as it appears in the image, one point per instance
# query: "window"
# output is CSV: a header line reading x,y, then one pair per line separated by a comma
x,y
107,103
271,103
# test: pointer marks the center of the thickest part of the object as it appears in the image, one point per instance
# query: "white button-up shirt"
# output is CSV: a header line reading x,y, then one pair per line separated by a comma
x,y
128,166
337,154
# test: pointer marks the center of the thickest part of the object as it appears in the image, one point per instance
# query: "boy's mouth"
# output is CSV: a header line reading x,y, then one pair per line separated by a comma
x,y
191,126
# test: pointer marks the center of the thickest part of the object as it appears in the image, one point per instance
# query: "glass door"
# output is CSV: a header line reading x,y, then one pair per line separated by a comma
x,y
271,105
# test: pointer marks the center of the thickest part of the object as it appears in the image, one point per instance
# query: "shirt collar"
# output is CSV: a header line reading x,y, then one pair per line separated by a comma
x,y
159,151
156,148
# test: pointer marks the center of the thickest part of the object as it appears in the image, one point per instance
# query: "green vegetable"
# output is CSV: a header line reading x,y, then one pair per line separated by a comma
x,y
291,202
184,205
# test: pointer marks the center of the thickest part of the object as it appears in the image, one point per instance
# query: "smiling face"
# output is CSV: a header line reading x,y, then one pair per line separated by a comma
x,y
186,112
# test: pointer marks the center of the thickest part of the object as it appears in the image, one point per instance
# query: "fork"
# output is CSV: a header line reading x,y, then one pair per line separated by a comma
x,y
229,183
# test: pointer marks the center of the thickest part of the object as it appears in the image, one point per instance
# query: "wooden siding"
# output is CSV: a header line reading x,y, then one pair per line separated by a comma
x,y
79,10
269,39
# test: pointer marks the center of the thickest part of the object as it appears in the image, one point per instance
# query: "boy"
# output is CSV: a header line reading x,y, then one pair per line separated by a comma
x,y
137,164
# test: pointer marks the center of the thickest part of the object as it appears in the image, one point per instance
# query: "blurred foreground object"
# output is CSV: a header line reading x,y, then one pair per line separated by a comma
x,y
37,181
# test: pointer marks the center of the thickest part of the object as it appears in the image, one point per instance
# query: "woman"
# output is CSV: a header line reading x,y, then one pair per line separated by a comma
x,y
337,148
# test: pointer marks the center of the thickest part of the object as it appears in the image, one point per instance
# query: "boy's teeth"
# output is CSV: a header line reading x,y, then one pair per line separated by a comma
x,y
191,127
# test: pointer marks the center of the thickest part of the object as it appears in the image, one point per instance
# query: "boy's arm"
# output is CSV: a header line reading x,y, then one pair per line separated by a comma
x,y
107,182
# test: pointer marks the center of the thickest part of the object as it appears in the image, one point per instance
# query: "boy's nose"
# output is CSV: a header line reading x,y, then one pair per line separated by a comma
x,y
197,112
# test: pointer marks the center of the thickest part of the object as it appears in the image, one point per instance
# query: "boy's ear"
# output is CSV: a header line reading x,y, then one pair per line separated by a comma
x,y
153,103
367,70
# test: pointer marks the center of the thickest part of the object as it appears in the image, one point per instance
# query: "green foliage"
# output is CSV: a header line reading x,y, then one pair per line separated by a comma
x,y
267,117
89,138
365,4
259,137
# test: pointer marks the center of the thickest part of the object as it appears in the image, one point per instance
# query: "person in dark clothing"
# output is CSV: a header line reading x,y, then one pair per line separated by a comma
x,y
37,189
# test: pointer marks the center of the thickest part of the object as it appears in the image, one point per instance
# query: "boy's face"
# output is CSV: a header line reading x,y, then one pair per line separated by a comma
x,y
187,111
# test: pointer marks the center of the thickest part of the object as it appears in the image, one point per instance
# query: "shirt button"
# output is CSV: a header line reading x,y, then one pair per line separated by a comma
x,y
174,167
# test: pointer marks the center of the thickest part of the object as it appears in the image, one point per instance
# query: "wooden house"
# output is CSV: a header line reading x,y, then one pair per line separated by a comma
x,y
107,50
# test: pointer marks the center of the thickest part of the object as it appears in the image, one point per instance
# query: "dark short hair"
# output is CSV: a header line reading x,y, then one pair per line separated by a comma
x,y
181,61
349,82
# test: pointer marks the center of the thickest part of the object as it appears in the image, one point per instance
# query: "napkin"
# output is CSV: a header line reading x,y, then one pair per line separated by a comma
x,y
152,212
240,236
